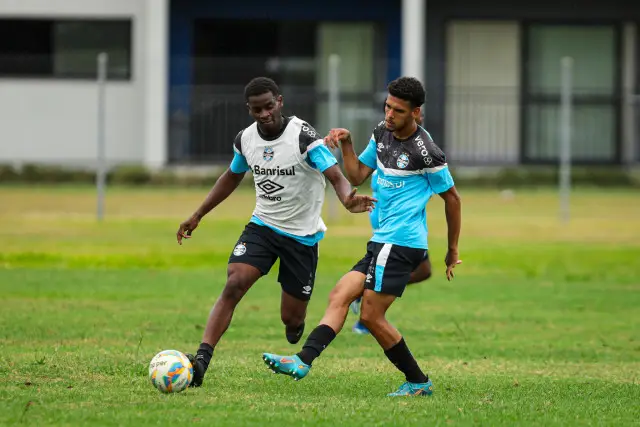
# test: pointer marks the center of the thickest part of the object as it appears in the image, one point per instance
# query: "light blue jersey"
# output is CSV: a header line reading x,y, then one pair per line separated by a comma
x,y
373,215
407,173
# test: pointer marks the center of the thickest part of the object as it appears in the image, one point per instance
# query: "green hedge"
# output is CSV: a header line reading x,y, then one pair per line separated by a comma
x,y
508,177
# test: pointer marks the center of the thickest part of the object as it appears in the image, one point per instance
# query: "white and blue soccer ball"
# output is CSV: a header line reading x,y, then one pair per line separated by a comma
x,y
170,371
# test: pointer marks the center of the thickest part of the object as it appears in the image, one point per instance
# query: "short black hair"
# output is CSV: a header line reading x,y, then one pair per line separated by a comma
x,y
408,89
260,85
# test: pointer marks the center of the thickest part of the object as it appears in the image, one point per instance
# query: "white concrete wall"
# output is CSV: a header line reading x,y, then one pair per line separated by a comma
x,y
54,121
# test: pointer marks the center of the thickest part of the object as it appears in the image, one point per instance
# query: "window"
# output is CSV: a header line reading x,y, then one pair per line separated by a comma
x,y
33,48
596,78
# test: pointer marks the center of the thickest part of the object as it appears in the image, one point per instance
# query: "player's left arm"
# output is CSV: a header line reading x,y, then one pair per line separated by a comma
x,y
320,158
441,182
347,195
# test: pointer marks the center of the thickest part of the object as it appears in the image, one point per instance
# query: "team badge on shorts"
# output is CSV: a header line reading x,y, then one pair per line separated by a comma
x,y
403,161
240,249
267,154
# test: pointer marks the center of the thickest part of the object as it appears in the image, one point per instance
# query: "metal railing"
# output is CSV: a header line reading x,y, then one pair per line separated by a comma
x,y
482,126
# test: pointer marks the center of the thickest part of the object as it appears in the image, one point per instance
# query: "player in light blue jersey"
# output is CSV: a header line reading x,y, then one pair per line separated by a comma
x,y
410,169
420,274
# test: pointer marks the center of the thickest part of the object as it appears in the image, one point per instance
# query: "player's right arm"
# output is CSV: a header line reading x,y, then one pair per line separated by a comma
x,y
356,168
224,186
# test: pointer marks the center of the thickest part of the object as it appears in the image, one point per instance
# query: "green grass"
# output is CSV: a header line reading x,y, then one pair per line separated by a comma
x,y
540,327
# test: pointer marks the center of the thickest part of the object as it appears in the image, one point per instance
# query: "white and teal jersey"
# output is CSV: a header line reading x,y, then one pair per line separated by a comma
x,y
407,173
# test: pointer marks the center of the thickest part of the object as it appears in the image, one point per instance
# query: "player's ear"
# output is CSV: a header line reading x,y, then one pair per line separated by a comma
x,y
279,101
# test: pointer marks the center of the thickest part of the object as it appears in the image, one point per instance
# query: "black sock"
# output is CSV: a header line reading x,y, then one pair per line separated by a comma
x,y
205,353
294,336
317,341
402,358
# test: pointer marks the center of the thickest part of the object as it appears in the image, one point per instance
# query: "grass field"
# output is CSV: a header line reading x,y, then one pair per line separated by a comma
x,y
540,327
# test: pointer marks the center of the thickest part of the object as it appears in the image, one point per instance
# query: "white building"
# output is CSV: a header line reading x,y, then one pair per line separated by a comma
x,y
48,89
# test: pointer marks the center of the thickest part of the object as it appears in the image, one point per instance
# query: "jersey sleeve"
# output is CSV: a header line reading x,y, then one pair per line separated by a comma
x,y
369,156
321,158
239,163
308,138
437,171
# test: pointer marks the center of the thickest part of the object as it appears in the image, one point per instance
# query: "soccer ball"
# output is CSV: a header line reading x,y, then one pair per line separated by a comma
x,y
170,371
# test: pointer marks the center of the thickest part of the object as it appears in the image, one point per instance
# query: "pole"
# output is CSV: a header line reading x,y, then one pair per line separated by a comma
x,y
334,115
101,170
565,137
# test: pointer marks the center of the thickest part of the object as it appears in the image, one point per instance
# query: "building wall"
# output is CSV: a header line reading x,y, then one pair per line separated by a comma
x,y
441,13
52,120
482,107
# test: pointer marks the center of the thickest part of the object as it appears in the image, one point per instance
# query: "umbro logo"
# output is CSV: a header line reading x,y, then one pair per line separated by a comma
x,y
306,290
269,187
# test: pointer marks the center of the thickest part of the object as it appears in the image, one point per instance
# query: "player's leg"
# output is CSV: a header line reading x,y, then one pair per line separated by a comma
x,y
293,311
298,264
251,258
392,268
422,272
348,288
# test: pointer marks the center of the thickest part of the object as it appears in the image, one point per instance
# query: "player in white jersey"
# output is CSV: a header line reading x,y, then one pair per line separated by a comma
x,y
289,162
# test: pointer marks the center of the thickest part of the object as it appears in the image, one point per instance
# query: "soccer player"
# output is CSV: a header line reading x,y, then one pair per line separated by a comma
x,y
420,274
411,168
289,162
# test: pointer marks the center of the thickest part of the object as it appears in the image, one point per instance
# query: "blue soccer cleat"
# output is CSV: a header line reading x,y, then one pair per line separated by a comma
x,y
288,365
359,328
355,306
414,389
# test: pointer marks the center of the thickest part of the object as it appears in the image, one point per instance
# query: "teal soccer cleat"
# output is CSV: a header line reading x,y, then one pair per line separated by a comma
x,y
288,365
413,389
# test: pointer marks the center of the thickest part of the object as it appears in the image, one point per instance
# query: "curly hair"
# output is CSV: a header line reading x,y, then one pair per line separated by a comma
x,y
260,85
408,89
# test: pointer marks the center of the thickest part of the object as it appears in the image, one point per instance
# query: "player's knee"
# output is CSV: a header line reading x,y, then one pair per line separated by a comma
x,y
370,319
424,274
292,318
235,288
421,274
338,298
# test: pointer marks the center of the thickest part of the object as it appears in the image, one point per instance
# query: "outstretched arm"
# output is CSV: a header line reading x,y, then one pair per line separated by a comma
x,y
224,186
346,195
356,170
322,159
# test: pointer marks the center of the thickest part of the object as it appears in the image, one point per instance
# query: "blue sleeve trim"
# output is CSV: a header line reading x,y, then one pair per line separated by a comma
x,y
321,158
239,163
440,181
369,156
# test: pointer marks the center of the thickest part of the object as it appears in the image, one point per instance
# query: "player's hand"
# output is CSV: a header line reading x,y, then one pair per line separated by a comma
x,y
336,136
187,227
357,204
451,260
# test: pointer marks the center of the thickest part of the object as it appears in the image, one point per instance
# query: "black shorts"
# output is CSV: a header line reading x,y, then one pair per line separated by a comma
x,y
388,267
260,247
